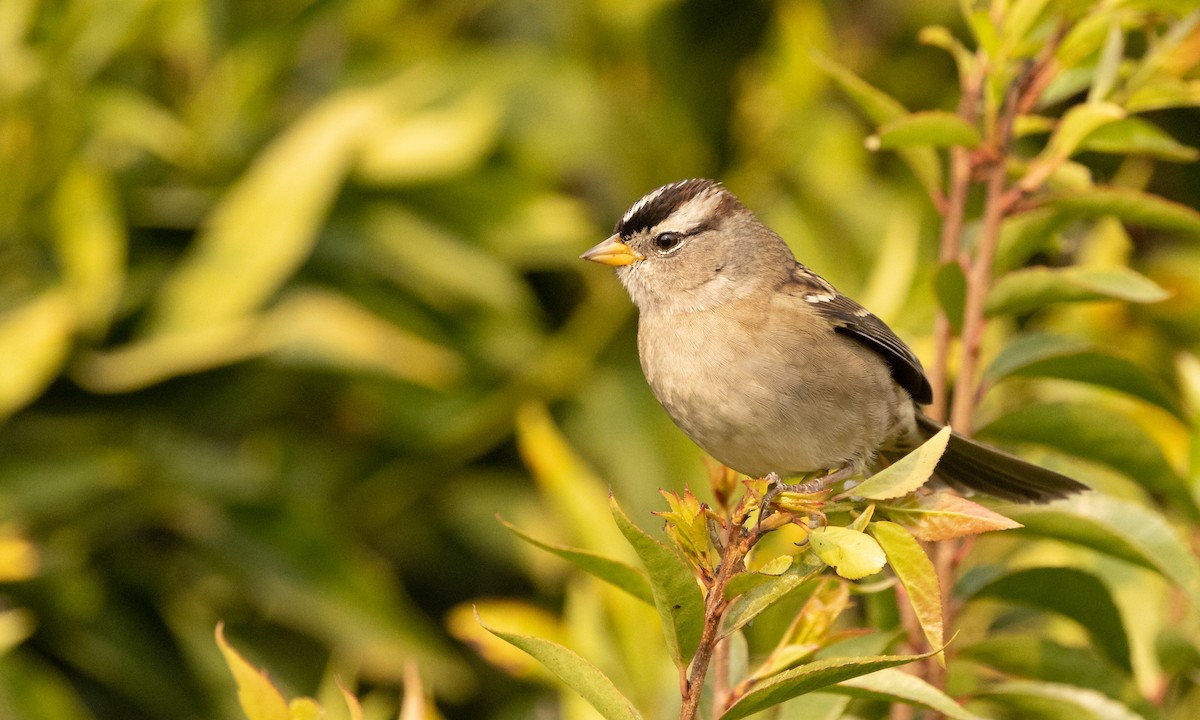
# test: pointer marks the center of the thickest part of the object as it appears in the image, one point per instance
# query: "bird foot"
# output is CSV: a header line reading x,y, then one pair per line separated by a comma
x,y
776,486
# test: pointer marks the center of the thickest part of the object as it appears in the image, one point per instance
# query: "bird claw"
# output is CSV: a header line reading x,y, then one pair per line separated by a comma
x,y
776,487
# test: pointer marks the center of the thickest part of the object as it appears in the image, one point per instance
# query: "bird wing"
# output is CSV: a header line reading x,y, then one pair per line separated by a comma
x,y
853,320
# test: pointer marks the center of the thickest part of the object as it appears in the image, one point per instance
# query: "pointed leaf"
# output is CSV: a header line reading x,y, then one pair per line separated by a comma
x,y
936,128
91,240
267,223
1135,136
881,108
1039,699
1118,528
353,706
906,474
415,706
1057,356
1033,656
749,604
576,672
850,553
1072,593
916,573
34,341
624,576
1096,434
896,686
940,37
259,698
1132,206
816,675
1026,290
676,594
1077,124
518,616
944,516
950,285
571,488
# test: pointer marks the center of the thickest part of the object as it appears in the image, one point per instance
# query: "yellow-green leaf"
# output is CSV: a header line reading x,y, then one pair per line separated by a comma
x,y
676,594
433,144
576,672
259,698
90,240
265,226
913,567
34,341
936,128
906,474
851,554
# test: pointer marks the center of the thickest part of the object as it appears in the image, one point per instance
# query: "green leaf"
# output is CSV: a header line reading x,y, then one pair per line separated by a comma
x,y
1077,123
936,128
944,516
940,37
1072,593
850,553
1034,656
1020,18
882,108
1051,700
752,602
1120,529
1135,136
950,285
1133,206
1163,93
624,576
809,677
906,474
916,573
1108,67
896,686
1099,435
1027,234
1026,290
576,672
1056,356
1085,37
676,594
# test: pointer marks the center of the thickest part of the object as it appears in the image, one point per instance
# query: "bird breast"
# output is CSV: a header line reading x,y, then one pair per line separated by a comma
x,y
769,394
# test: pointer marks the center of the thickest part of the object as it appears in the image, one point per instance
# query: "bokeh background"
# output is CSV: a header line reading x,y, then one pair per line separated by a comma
x,y
279,279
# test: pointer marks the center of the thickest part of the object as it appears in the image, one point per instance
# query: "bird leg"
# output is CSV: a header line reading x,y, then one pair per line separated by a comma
x,y
776,486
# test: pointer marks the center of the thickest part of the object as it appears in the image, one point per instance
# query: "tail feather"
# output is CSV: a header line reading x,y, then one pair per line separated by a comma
x,y
971,464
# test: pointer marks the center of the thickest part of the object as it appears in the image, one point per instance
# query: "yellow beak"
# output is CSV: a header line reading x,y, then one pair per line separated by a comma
x,y
612,252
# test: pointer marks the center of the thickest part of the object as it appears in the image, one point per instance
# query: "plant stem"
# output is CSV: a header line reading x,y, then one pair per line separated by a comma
x,y
715,605
1022,96
951,241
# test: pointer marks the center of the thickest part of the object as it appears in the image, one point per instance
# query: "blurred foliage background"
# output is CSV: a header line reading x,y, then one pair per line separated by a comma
x,y
278,278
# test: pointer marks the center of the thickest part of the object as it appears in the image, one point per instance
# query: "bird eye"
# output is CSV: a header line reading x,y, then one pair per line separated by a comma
x,y
667,242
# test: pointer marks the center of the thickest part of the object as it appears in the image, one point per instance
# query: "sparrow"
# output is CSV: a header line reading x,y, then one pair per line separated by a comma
x,y
767,367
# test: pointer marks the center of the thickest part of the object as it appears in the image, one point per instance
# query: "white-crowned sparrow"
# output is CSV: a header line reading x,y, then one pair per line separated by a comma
x,y
766,366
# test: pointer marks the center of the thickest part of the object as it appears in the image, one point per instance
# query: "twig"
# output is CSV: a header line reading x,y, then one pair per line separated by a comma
x,y
955,210
737,544
997,204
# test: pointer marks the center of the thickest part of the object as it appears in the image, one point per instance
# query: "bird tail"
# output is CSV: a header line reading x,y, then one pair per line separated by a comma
x,y
970,464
